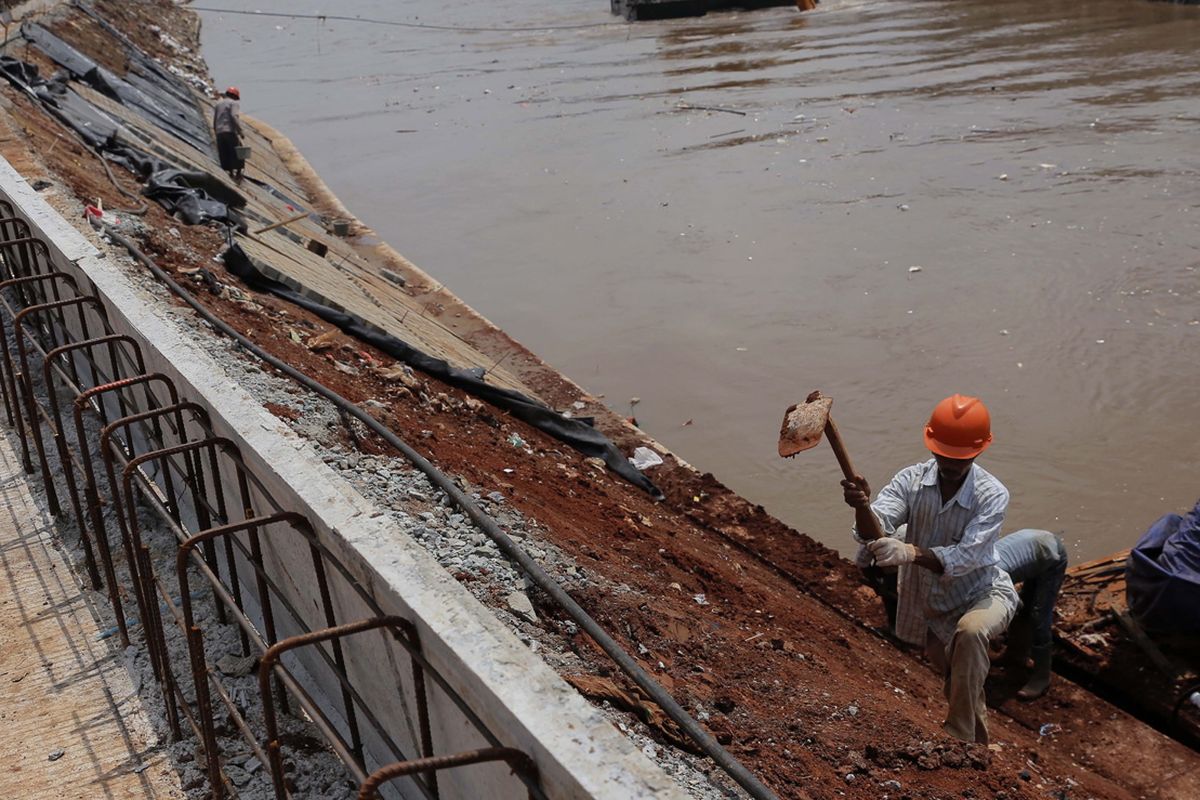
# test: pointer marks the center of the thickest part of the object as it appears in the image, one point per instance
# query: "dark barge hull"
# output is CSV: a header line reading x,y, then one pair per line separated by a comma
x,y
667,9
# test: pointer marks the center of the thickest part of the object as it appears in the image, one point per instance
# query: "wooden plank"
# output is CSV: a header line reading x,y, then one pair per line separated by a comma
x,y
1131,627
281,224
1121,556
67,698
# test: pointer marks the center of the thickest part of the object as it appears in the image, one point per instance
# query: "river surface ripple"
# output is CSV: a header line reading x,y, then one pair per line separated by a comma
x,y
1038,161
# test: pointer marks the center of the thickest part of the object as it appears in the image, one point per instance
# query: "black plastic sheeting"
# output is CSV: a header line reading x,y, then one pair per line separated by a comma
x,y
152,92
574,432
94,126
193,197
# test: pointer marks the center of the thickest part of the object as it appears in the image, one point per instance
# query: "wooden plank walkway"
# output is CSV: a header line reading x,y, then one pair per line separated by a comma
x,y
73,726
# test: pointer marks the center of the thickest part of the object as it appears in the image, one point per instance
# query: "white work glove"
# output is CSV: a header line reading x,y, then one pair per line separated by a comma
x,y
891,552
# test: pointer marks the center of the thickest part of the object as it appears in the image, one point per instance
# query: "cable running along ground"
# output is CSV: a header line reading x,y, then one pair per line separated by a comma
x,y
399,24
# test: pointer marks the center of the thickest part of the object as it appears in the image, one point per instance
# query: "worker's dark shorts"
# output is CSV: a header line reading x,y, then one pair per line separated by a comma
x,y
227,145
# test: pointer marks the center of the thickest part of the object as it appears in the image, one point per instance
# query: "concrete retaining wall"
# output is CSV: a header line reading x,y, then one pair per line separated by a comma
x,y
519,698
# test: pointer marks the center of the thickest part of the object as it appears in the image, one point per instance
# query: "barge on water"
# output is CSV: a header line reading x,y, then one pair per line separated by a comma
x,y
666,9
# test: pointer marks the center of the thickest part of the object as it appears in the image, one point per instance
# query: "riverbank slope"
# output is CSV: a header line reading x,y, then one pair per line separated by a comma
x,y
764,633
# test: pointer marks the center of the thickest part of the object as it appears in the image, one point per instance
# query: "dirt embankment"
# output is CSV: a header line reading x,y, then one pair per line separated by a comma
x,y
735,613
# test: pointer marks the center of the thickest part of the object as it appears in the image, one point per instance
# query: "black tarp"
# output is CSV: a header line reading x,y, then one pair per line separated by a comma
x,y
193,197
169,111
574,432
96,128
148,75
140,63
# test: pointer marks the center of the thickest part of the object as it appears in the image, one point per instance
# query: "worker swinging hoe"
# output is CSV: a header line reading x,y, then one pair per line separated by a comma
x,y
930,547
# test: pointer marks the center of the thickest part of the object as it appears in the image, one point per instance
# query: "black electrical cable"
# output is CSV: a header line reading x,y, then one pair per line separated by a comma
x,y
137,212
398,24
734,768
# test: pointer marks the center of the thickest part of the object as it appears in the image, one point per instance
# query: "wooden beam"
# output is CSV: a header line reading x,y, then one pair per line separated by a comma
x,y
281,223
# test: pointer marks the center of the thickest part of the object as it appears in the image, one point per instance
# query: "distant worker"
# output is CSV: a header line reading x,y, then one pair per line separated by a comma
x,y
953,598
228,128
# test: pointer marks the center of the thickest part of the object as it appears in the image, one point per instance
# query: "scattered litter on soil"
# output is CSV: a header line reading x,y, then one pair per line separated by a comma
x,y
644,458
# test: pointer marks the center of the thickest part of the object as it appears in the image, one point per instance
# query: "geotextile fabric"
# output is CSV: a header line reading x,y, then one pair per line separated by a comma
x,y
1162,576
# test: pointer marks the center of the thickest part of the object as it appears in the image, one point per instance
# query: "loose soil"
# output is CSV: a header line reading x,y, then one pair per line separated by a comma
x,y
727,607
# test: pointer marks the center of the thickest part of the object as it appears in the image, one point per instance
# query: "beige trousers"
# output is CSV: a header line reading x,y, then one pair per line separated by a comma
x,y
965,664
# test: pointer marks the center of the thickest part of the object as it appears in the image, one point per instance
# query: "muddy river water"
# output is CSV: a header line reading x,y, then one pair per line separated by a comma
x,y
915,197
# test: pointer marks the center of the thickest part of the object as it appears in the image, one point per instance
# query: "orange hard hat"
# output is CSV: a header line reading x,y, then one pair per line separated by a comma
x,y
960,427
233,92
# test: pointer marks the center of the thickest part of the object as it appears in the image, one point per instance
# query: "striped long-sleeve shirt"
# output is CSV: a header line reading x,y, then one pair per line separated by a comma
x,y
961,534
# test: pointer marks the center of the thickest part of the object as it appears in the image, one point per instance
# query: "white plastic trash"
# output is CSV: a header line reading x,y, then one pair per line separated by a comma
x,y
644,458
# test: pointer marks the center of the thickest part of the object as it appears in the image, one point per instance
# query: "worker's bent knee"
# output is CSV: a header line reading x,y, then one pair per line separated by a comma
x,y
977,630
983,622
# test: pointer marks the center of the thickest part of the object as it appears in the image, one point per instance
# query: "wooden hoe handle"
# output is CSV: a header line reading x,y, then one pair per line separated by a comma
x,y
839,450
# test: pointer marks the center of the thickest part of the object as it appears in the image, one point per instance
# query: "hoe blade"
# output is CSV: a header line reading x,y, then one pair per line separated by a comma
x,y
803,424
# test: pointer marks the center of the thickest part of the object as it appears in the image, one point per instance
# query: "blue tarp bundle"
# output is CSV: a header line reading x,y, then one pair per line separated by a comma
x,y
1163,575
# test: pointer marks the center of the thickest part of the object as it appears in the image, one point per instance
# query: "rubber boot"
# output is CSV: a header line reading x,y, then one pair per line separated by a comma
x,y
1018,642
1039,681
